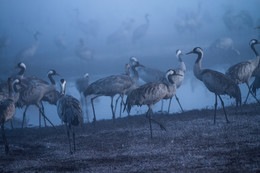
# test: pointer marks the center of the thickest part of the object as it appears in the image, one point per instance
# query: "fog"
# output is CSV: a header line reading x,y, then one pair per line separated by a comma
x,y
75,37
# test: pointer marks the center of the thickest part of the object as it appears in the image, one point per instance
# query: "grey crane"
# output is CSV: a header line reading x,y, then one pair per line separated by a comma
x,y
110,86
81,85
33,91
215,82
154,75
243,71
141,30
178,79
70,112
7,110
151,93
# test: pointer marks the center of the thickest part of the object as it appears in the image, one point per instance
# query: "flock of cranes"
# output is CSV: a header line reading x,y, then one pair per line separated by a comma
x,y
20,91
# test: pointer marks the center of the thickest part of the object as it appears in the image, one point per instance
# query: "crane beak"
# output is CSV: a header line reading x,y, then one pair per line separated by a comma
x,y
189,53
58,74
178,74
140,65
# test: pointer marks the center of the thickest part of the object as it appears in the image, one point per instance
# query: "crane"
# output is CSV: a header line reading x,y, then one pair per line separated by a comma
x,y
216,82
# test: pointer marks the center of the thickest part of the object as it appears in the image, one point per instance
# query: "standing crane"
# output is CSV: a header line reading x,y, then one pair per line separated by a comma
x,y
151,93
178,79
154,75
243,71
110,86
215,82
7,110
70,112
32,92
141,30
81,85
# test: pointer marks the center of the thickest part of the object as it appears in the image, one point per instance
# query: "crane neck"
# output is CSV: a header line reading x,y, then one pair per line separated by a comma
x,y
253,47
147,19
182,64
136,75
51,79
197,66
10,90
22,71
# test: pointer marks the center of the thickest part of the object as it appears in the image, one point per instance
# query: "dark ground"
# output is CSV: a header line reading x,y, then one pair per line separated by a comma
x,y
192,143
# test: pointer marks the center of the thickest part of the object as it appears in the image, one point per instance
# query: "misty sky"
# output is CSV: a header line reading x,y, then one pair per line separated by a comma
x,y
62,24
95,36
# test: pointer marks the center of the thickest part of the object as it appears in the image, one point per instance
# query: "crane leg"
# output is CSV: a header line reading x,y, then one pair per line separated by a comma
x,y
252,93
43,114
68,134
116,103
74,143
43,111
121,104
148,115
248,93
112,108
179,103
162,106
215,111
24,113
4,139
169,106
93,108
87,114
222,102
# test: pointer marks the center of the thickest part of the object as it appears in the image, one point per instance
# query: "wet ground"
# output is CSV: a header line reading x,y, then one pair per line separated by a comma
x,y
192,143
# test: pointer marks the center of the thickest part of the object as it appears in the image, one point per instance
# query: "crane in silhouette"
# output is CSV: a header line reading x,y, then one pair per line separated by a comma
x,y
70,112
151,93
243,71
215,82
141,30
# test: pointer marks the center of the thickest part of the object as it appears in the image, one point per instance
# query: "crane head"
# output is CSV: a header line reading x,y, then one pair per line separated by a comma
x,y
253,42
196,50
86,75
21,65
53,72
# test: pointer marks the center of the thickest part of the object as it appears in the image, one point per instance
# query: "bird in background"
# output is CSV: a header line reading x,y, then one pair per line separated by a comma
x,y
243,71
30,51
151,93
215,82
141,30
70,112
81,85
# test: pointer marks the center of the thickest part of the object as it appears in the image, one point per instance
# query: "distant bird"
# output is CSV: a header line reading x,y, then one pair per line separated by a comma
x,y
110,86
70,112
237,21
151,93
83,51
81,85
32,93
216,82
29,51
7,111
141,30
121,35
226,44
243,71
